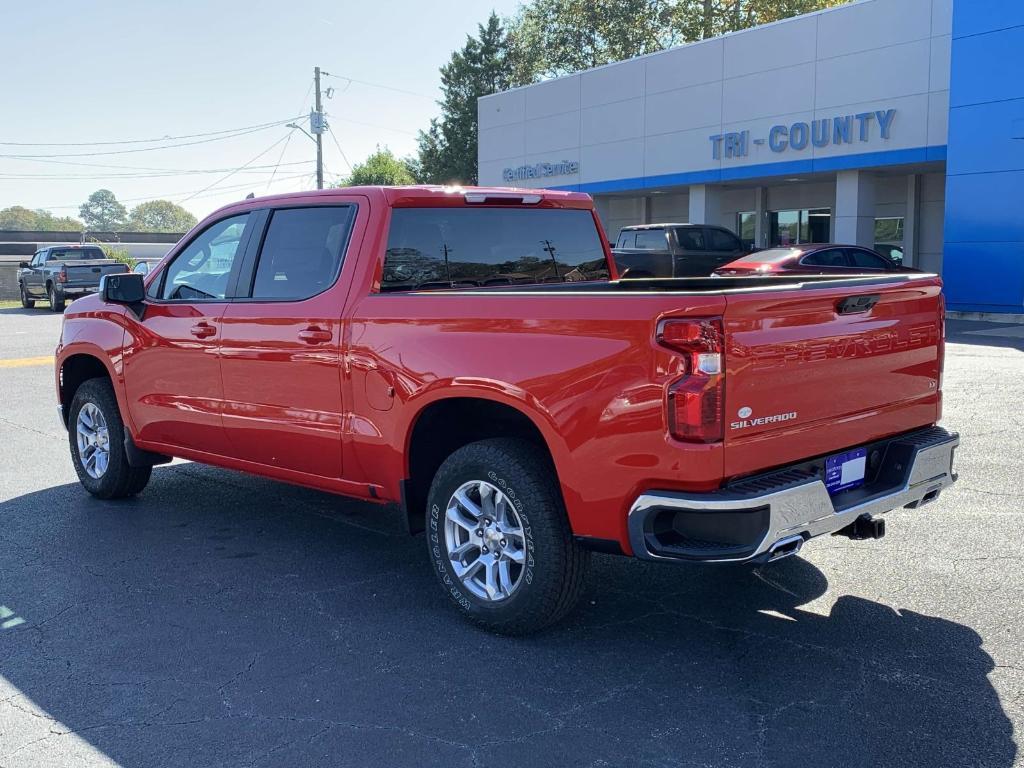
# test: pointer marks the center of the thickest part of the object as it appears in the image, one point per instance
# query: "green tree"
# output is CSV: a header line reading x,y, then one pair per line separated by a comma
x,y
102,212
557,37
563,36
159,216
448,148
380,168
47,222
18,218
706,18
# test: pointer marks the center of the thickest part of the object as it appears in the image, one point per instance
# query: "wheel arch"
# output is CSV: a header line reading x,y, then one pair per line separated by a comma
x,y
444,425
75,369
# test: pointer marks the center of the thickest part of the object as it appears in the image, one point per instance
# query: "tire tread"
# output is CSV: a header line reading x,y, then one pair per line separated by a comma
x,y
536,480
121,480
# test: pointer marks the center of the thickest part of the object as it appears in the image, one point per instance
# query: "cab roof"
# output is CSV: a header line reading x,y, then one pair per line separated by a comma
x,y
425,195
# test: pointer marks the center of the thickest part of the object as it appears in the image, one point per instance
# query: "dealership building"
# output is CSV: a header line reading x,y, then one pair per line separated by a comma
x,y
891,122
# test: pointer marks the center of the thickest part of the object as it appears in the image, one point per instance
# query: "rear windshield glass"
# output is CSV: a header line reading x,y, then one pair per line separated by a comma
x,y
770,256
70,254
480,247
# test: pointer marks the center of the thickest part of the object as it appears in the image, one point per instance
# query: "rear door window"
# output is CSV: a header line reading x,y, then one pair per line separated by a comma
x,y
480,247
302,252
862,259
833,257
691,239
651,240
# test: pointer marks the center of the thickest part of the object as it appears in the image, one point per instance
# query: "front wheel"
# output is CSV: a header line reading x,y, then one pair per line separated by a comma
x,y
56,300
26,302
499,538
96,435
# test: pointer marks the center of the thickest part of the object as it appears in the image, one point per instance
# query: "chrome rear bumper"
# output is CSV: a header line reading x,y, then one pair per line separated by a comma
x,y
757,518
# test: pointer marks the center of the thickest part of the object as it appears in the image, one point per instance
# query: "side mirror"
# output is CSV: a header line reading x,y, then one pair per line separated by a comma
x,y
23,265
124,288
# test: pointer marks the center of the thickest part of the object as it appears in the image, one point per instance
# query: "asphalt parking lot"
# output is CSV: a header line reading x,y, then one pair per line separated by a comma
x,y
224,620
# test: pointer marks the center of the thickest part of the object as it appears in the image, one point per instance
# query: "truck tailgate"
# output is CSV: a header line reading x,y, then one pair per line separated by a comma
x,y
88,273
808,375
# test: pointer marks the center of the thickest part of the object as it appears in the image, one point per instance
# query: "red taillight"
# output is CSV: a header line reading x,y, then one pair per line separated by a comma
x,y
695,400
62,276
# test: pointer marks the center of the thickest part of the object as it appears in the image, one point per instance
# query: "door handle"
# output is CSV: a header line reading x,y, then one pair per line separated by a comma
x,y
853,305
315,335
202,330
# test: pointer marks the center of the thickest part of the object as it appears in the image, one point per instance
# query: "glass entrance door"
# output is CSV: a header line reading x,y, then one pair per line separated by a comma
x,y
810,225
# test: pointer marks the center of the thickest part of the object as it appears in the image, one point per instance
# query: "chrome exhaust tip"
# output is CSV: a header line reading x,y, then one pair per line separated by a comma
x,y
786,547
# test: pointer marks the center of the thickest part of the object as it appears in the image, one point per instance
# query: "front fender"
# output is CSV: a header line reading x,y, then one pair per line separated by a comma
x,y
97,332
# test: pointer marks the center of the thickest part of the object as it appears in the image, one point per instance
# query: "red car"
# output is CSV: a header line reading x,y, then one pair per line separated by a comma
x,y
462,353
812,259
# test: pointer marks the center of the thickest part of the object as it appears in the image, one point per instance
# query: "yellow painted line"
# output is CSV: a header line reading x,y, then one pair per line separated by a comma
x,y
25,362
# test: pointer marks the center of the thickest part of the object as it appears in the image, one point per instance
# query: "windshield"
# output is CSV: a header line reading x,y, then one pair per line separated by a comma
x,y
770,256
74,254
478,247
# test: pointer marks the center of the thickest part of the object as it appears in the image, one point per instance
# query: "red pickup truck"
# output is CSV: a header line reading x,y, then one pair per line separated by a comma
x,y
470,355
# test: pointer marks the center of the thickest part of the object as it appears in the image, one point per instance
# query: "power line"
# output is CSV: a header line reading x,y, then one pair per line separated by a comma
x,y
340,150
280,158
246,165
147,149
378,85
138,141
375,125
256,169
172,195
302,110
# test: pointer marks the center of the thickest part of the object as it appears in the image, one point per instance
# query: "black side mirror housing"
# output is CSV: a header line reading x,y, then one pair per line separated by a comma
x,y
123,288
23,265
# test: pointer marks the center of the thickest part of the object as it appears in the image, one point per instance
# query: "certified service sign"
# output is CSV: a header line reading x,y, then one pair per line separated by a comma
x,y
541,171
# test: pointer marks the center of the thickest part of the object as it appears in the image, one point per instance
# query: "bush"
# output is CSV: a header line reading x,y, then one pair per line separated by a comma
x,y
117,253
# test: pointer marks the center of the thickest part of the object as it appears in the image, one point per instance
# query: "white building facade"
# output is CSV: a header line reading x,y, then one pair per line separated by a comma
x,y
827,127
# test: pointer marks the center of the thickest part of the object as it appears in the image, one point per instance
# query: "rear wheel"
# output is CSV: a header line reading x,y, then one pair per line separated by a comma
x,y
56,300
96,436
26,302
499,538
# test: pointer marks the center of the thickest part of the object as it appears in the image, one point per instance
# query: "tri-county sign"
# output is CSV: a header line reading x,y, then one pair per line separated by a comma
x,y
798,136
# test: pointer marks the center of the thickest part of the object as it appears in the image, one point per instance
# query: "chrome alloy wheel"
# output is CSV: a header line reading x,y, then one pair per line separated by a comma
x,y
485,542
93,440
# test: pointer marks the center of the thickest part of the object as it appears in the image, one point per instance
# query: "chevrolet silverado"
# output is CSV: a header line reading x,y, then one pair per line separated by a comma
x,y
471,355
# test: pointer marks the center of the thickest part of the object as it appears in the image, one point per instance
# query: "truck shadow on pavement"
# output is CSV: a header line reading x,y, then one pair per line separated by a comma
x,y
220,619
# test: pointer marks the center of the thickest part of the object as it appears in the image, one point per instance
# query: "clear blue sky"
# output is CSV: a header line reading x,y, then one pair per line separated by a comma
x,y
90,72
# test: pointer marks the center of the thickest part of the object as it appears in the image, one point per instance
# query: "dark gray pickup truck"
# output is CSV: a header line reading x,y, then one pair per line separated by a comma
x,y
62,272
674,250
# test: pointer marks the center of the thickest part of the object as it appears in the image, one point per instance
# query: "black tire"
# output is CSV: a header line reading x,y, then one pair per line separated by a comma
x,y
555,564
56,305
120,480
26,302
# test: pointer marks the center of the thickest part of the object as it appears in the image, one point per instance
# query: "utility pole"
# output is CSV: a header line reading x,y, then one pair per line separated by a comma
x,y
317,126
